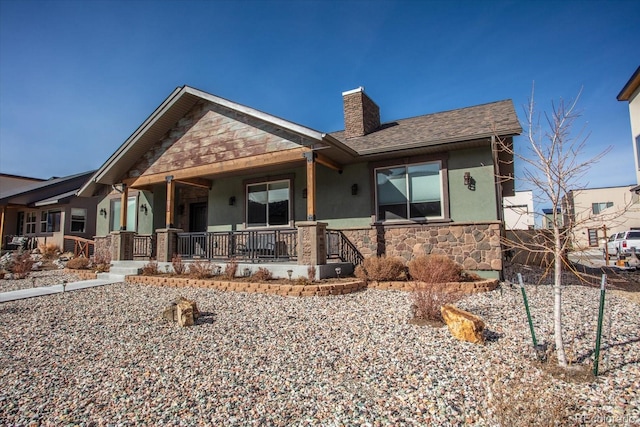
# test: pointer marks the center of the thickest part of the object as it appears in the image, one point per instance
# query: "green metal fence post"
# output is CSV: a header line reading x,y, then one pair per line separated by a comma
x,y
526,306
599,333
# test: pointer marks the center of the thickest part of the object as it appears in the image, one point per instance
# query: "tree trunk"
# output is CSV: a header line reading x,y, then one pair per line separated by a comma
x,y
557,299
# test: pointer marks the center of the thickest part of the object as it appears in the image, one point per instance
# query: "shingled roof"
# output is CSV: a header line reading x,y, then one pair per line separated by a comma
x,y
464,124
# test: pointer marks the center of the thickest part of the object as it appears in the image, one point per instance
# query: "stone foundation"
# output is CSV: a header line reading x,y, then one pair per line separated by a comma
x,y
476,246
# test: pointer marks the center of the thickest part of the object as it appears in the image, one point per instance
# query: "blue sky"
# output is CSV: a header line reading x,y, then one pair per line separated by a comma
x,y
78,77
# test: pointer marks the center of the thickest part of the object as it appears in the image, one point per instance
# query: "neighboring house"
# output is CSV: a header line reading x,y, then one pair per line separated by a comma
x,y
46,211
547,218
595,211
518,211
205,177
630,92
10,182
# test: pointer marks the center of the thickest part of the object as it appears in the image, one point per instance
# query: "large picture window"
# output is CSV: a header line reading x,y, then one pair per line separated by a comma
x,y
268,204
50,221
409,192
114,223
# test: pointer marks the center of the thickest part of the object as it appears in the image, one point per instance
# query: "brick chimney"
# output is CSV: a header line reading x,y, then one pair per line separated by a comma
x,y
361,114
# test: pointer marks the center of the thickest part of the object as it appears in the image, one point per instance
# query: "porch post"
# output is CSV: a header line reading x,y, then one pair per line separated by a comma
x,y
2,226
124,199
166,243
312,243
122,245
311,185
171,187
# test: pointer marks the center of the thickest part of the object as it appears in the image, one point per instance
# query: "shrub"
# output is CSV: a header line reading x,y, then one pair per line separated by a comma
x,y
311,273
21,265
178,266
201,269
150,269
79,263
262,275
428,300
49,250
435,269
230,269
302,281
380,268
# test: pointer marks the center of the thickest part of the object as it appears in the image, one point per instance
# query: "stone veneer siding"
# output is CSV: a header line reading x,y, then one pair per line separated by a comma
x,y
102,249
361,114
476,246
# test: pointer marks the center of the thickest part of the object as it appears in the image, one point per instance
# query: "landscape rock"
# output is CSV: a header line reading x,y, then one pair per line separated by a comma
x,y
183,311
462,324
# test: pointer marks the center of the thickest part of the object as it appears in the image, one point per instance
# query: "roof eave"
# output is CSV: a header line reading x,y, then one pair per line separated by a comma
x,y
630,87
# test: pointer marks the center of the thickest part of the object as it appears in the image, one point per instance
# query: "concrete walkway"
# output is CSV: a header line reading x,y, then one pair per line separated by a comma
x,y
57,289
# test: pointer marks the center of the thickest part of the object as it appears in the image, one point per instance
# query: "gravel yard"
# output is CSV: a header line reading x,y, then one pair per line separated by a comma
x,y
104,356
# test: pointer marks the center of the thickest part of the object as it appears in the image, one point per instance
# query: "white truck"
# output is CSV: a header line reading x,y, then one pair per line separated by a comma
x,y
624,243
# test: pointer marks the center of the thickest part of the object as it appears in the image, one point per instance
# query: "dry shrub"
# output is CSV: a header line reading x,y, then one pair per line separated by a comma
x,y
302,281
49,250
515,400
262,275
150,269
79,263
201,269
380,268
311,273
178,266
435,269
21,265
230,269
428,300
101,263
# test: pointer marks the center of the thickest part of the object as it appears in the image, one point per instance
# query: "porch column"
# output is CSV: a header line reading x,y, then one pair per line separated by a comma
x,y
311,185
171,188
312,243
166,243
124,202
122,245
2,226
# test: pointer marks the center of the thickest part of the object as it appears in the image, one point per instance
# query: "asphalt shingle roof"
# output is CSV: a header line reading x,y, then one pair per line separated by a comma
x,y
464,124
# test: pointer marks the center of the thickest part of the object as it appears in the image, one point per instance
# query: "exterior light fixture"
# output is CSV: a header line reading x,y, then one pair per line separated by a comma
x,y
144,209
338,271
289,273
467,178
354,190
232,200
103,212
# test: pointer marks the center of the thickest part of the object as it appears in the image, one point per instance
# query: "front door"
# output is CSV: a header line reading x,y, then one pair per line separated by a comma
x,y
197,217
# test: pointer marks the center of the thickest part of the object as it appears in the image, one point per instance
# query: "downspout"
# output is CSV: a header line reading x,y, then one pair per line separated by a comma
x,y
498,204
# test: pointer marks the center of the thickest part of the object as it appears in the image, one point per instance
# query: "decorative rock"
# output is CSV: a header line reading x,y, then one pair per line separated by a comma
x,y
463,325
183,311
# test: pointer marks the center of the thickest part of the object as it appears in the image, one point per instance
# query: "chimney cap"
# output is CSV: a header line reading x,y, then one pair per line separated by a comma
x,y
349,92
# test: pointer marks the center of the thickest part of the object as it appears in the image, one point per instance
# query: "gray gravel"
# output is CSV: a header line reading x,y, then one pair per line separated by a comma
x,y
104,356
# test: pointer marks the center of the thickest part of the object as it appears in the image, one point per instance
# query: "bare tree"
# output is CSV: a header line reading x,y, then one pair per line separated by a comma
x,y
553,164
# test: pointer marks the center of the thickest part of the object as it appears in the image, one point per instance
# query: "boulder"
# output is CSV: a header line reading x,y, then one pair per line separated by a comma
x,y
463,325
183,311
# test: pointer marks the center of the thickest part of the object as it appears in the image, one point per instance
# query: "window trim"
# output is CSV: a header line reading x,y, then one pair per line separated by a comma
x,y
34,223
442,158
289,178
84,220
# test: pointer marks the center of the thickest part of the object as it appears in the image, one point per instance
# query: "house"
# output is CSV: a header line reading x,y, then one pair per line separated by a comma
x,y
630,92
518,211
205,177
45,211
596,211
9,182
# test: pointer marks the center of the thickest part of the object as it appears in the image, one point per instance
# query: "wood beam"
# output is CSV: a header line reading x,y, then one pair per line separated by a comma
x,y
311,186
234,165
124,204
2,211
325,161
196,182
171,188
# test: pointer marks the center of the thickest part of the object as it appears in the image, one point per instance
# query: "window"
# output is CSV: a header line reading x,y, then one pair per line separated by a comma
x,y
409,192
31,223
268,203
114,223
593,237
599,207
78,220
50,221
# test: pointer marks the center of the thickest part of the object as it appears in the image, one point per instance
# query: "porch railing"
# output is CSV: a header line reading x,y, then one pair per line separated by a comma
x,y
340,247
144,246
81,246
263,245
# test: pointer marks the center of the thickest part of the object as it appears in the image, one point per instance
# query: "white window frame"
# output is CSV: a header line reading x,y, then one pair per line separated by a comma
x,y
31,222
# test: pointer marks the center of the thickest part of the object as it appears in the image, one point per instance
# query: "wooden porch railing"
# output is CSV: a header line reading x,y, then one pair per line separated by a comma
x,y
81,246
